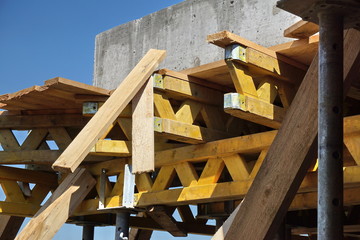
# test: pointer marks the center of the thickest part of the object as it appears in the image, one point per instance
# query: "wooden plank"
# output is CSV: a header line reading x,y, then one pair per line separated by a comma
x,y
29,157
214,72
9,226
143,146
71,158
225,38
48,220
160,215
284,176
68,85
303,50
301,29
187,133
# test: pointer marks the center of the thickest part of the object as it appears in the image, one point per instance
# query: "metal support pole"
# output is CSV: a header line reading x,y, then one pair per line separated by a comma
x,y
88,232
122,226
330,141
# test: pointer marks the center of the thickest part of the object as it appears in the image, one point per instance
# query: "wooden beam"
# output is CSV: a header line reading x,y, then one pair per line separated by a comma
x,y
143,142
302,50
180,88
253,110
277,181
226,147
225,38
28,176
48,220
117,148
9,226
164,218
19,122
301,29
188,133
75,153
42,157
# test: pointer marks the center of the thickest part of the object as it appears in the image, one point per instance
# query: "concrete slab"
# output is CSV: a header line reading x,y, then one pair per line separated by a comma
x,y
181,30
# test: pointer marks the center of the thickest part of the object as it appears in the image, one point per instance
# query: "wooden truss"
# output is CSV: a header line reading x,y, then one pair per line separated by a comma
x,y
206,136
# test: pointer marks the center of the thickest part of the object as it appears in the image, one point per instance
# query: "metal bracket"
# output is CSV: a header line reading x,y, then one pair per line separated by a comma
x,y
128,188
234,101
157,124
158,81
102,197
90,108
236,52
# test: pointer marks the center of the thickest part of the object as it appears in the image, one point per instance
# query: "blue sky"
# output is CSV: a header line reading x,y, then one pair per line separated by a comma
x,y
42,39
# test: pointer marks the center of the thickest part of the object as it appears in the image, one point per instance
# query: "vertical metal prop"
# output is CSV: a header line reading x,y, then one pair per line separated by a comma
x,y
122,226
330,148
88,232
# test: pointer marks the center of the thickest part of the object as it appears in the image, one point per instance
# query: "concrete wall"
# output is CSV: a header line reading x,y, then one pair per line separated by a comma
x,y
181,30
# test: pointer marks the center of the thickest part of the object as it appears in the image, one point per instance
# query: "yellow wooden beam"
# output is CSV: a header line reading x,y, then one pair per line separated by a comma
x,y
184,132
182,88
243,82
117,148
225,147
188,111
254,110
163,107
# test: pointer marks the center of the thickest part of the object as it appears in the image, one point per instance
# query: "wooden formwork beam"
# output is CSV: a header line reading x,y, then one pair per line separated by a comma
x,y
278,179
75,153
301,29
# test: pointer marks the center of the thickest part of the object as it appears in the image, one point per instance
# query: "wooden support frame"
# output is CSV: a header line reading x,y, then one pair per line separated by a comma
x,y
97,126
301,120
